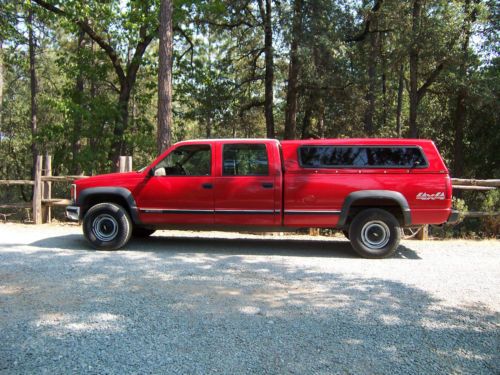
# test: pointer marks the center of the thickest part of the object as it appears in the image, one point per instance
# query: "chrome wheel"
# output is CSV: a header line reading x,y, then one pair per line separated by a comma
x,y
375,234
105,227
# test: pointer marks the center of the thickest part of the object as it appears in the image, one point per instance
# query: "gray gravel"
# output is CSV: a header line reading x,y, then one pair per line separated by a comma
x,y
194,303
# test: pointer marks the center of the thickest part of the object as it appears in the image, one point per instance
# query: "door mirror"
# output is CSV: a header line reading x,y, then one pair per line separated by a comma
x,y
160,172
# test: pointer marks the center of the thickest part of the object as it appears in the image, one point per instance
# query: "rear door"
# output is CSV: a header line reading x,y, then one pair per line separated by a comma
x,y
245,184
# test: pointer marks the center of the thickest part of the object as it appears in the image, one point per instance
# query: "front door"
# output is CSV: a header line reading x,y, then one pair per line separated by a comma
x,y
181,190
244,186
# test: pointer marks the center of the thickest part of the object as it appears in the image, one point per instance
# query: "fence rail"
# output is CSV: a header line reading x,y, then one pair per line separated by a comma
x,y
42,189
42,200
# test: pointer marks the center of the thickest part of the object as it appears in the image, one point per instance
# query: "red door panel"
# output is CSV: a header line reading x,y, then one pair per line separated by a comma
x,y
176,200
245,199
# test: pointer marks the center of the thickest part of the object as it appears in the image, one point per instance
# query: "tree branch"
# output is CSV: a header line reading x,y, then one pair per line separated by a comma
x,y
252,104
430,80
362,35
83,24
188,39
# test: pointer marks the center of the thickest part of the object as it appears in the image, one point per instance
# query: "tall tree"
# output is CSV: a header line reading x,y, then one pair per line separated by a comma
x,y
293,73
266,16
399,107
33,86
125,73
164,125
416,92
1,84
76,143
460,115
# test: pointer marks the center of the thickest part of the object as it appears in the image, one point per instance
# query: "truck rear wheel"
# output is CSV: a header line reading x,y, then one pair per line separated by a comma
x,y
375,233
107,226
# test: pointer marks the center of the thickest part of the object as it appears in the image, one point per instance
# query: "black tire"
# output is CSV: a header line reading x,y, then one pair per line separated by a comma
x,y
345,233
375,233
107,226
140,232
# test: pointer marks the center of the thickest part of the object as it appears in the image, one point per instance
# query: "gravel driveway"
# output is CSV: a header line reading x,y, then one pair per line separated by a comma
x,y
203,303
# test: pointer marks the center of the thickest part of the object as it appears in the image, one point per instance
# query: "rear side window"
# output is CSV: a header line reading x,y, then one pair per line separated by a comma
x,y
245,160
361,157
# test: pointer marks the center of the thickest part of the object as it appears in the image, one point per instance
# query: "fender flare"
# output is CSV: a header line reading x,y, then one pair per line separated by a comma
x,y
395,196
117,191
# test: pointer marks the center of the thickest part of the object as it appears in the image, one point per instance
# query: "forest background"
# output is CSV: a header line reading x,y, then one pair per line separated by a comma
x,y
79,80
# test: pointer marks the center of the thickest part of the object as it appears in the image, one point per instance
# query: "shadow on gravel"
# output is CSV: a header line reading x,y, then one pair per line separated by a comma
x,y
201,306
234,246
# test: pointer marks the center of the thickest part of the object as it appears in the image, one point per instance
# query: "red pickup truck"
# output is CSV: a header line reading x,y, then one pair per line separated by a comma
x,y
368,188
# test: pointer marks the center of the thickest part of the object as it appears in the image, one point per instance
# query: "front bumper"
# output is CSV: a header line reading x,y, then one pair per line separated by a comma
x,y
454,217
73,213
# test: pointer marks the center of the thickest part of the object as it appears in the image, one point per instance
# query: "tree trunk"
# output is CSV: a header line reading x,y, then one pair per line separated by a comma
x,y
306,122
165,76
33,88
121,123
372,80
293,74
269,62
460,116
400,100
1,87
414,56
78,121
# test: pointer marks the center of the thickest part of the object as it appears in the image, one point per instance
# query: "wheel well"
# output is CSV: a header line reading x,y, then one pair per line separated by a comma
x,y
94,199
385,204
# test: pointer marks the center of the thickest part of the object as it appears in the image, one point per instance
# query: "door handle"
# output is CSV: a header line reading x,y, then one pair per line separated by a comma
x,y
267,185
207,186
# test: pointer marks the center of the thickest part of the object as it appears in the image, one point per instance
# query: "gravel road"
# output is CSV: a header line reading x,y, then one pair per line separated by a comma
x,y
212,303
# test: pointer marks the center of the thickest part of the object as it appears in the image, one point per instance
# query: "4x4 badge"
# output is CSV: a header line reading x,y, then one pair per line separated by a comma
x,y
431,197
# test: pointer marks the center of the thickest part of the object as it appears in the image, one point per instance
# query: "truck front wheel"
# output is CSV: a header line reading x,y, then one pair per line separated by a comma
x,y
375,233
107,226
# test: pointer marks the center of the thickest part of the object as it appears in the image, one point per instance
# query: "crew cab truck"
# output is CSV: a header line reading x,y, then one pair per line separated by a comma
x,y
368,188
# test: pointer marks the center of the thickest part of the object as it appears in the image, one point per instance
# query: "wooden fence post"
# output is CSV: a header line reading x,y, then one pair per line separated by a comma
x,y
128,167
423,233
122,163
47,190
37,191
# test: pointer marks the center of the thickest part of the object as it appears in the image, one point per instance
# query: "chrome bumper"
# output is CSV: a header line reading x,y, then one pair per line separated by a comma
x,y
73,213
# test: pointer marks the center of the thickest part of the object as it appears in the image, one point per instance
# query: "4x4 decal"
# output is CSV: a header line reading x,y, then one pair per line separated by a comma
x,y
431,197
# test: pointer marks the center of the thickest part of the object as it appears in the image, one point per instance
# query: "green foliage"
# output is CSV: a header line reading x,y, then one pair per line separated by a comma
x,y
346,64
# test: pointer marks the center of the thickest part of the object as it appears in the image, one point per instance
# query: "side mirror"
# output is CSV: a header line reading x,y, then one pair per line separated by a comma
x,y
160,172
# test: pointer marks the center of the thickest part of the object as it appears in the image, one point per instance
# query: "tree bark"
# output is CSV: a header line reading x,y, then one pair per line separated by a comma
x,y
1,87
414,57
306,122
33,88
372,80
293,74
265,13
400,100
78,121
460,116
165,76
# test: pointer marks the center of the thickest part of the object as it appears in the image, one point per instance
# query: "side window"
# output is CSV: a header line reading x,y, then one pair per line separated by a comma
x,y
245,160
361,157
192,160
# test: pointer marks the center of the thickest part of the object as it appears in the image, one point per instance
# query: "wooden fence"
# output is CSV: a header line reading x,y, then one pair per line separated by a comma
x,y
43,201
